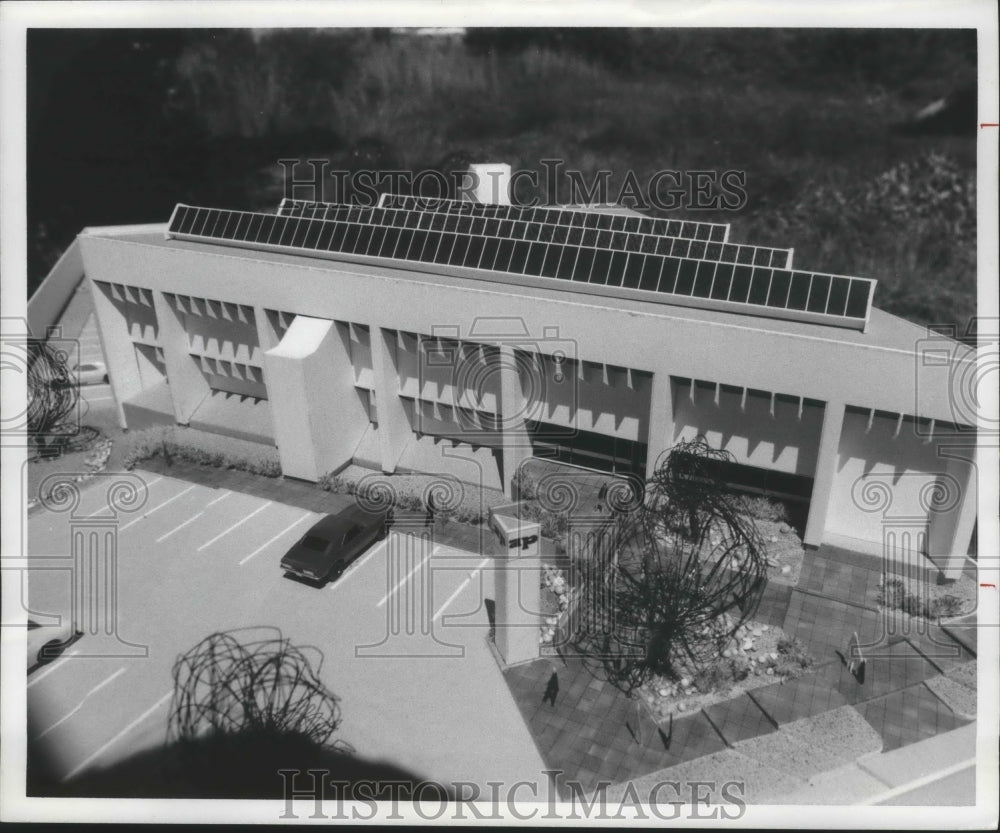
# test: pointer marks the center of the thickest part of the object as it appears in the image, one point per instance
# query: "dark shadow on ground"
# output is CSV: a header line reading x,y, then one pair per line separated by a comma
x,y
245,766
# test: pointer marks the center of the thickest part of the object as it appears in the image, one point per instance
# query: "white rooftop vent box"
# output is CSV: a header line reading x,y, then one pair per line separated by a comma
x,y
490,183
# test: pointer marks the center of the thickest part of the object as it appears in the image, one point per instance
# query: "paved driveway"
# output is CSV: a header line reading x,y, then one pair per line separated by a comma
x,y
402,634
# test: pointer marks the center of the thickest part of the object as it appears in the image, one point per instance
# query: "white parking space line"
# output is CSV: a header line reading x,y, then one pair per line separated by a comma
x,y
97,398
179,526
144,486
55,665
405,578
287,529
79,705
356,566
157,508
117,737
460,588
223,496
238,523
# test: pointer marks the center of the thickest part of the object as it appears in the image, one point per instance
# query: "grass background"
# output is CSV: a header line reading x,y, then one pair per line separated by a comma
x,y
123,124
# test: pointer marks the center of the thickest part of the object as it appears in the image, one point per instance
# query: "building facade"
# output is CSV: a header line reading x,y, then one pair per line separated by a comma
x,y
401,365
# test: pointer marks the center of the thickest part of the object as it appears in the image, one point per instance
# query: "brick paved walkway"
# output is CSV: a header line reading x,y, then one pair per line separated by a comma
x,y
907,715
589,734
594,733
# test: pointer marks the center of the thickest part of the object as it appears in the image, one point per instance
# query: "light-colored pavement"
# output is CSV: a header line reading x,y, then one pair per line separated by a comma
x,y
195,560
956,787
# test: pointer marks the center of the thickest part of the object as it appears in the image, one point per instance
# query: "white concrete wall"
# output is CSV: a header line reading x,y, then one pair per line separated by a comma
x,y
882,481
783,442
660,435
316,426
50,299
188,385
591,397
393,424
233,377
954,515
801,360
795,359
119,351
231,339
454,375
152,370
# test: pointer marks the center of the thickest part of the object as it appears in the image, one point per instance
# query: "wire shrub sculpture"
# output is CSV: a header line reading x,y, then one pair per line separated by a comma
x,y
52,396
265,686
681,573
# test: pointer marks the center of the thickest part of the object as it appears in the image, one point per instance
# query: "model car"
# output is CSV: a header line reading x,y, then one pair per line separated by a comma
x,y
333,542
47,642
86,373
90,373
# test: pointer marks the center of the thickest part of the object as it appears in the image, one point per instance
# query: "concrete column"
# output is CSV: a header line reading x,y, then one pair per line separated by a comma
x,y
516,442
119,351
826,468
517,577
318,419
393,425
660,430
188,387
950,530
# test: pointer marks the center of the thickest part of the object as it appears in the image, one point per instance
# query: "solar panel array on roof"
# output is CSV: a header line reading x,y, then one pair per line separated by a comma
x,y
715,232
533,230
781,293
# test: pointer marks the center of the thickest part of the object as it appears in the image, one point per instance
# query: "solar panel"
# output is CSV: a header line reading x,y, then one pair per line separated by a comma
x,y
714,232
744,288
518,229
576,217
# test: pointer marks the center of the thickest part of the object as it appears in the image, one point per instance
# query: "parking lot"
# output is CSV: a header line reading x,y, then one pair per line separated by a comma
x,y
402,634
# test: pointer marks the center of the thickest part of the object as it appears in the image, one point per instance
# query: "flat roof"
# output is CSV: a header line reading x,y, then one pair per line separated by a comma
x,y
884,330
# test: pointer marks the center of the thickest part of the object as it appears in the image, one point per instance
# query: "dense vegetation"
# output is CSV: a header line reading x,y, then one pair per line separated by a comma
x,y
124,124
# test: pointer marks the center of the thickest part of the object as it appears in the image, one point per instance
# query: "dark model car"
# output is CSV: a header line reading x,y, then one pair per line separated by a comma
x,y
332,543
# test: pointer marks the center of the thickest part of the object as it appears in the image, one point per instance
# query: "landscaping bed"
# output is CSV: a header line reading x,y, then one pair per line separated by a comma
x,y
87,456
556,598
758,655
784,551
470,504
777,524
913,597
200,447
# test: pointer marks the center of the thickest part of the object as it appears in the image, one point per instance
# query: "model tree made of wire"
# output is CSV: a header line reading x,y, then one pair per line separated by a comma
x,y
686,568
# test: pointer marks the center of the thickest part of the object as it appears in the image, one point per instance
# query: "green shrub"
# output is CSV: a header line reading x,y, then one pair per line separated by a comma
x,y
793,658
946,606
739,667
200,448
891,592
407,501
765,509
331,482
524,485
913,605
715,677
893,595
